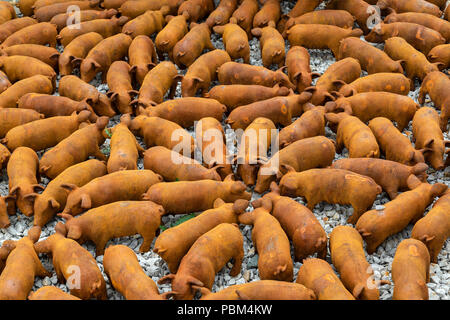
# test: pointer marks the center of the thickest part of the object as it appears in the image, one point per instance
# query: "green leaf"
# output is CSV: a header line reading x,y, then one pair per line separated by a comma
x,y
183,219
108,132
179,221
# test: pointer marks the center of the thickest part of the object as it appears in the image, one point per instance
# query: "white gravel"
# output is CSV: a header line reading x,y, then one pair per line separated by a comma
x,y
329,216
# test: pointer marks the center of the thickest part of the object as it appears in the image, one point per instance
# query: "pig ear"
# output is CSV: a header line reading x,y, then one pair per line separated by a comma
x,y
197,79
271,24
218,202
427,238
428,144
310,89
14,190
133,93
54,56
86,201
121,20
95,65
133,69
53,203
297,76
178,77
30,196
285,168
194,281
229,177
390,12
167,278
203,290
214,167
439,65
168,295
112,95
68,187
338,84
219,29
76,62
256,32
74,232
282,69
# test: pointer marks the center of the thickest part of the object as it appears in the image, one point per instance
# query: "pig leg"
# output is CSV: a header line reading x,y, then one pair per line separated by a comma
x,y
59,274
160,55
11,206
52,43
401,125
41,271
359,207
204,90
247,58
99,155
298,255
392,191
323,253
311,203
237,263
422,94
280,65
104,76
209,44
100,247
146,243
417,218
357,212
370,248
339,144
